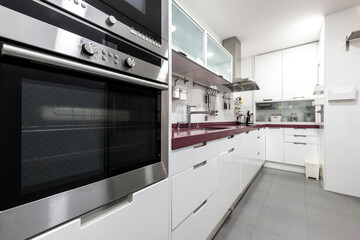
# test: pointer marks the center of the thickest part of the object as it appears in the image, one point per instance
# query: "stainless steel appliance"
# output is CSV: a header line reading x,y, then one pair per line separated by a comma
x,y
84,118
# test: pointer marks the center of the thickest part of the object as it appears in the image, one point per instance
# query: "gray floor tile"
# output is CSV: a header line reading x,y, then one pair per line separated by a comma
x,y
311,184
260,234
332,201
254,196
284,225
293,207
318,232
247,211
354,204
339,222
235,231
287,193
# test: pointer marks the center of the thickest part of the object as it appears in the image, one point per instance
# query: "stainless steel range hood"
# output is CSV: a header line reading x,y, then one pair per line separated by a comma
x,y
239,84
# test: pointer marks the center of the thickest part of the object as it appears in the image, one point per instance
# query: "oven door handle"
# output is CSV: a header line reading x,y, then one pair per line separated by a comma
x,y
13,51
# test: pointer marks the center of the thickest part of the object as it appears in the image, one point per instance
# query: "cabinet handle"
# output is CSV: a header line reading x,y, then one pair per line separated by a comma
x,y
92,216
184,54
201,206
299,128
258,137
231,150
200,165
297,143
299,97
232,136
247,132
300,136
258,153
200,145
268,99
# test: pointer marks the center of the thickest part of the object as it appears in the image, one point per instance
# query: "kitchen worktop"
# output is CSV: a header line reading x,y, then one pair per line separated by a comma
x,y
203,132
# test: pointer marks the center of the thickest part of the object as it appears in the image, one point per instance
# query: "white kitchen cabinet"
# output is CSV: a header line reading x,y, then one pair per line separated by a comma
x,y
201,221
229,188
253,144
300,71
192,187
145,216
275,144
297,153
301,131
268,75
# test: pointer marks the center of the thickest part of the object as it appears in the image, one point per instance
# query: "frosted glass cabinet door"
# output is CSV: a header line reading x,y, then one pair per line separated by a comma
x,y
218,59
187,36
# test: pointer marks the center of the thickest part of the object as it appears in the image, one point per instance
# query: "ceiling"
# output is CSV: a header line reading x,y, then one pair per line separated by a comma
x,y
267,25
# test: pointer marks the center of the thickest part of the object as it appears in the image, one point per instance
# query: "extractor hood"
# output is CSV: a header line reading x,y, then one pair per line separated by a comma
x,y
233,46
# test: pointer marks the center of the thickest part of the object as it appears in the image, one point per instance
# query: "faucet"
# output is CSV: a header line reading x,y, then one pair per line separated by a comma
x,y
189,112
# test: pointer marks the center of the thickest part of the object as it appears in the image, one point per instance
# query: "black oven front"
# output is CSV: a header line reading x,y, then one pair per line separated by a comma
x,y
83,122
141,22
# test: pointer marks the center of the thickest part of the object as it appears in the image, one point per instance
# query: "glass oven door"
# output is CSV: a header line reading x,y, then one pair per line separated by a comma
x,y
63,129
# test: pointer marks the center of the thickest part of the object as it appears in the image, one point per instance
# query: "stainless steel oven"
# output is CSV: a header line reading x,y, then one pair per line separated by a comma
x,y
142,22
83,122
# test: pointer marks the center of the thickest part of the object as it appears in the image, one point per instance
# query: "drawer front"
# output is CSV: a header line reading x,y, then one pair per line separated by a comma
x,y
298,153
253,145
192,187
301,139
201,222
185,158
301,131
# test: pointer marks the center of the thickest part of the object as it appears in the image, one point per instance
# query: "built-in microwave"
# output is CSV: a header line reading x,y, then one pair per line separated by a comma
x,y
142,22
83,122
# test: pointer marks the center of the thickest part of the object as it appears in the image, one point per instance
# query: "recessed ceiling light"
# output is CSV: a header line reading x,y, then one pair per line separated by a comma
x,y
173,28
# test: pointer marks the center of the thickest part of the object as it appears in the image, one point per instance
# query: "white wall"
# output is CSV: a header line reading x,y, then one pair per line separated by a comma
x,y
342,118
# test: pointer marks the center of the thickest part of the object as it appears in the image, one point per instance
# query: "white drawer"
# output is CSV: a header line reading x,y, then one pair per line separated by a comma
x,y
301,131
301,139
201,222
192,187
184,158
298,153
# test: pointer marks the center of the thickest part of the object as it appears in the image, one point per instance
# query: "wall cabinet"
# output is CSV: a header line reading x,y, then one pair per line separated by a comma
x,y
218,59
287,74
300,71
275,144
146,216
187,36
268,76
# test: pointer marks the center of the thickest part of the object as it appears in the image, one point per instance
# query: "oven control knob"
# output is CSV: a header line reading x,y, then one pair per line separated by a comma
x,y
130,62
111,20
88,48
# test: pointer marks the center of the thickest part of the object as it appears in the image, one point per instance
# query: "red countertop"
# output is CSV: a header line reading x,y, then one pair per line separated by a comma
x,y
184,137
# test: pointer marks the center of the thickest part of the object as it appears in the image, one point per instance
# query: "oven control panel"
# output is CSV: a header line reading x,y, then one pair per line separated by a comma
x,y
89,13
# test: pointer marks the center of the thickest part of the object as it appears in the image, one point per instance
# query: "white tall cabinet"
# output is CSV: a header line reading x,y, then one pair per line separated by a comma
x,y
268,75
300,71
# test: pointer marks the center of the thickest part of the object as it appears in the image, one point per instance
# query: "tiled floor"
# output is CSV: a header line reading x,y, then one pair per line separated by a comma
x,y
282,205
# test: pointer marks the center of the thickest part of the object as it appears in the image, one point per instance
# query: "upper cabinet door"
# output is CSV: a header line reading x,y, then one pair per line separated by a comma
x,y
268,75
300,71
218,59
187,36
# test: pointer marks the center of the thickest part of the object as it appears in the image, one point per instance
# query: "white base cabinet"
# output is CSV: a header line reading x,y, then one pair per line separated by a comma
x,y
275,144
192,187
145,217
297,153
201,221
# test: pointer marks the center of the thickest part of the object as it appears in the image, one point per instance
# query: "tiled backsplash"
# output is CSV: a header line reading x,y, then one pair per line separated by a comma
x,y
196,97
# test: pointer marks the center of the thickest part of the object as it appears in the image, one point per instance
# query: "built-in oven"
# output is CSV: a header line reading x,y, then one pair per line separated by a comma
x,y
141,22
83,123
